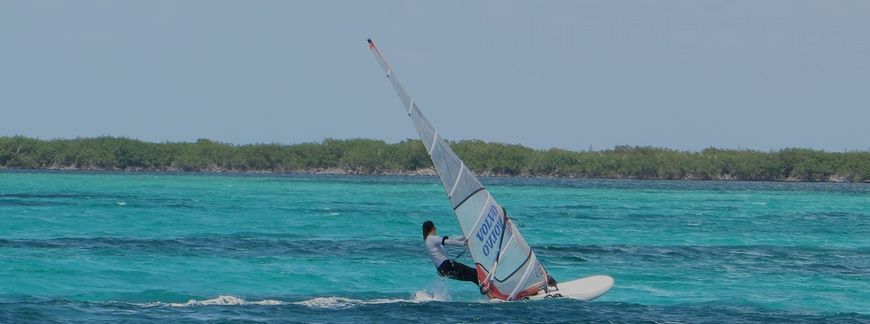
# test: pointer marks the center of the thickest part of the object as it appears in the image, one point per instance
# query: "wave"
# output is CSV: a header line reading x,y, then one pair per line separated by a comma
x,y
333,302
420,296
222,300
345,303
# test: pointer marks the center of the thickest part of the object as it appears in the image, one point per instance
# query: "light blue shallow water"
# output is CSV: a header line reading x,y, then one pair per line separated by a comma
x,y
157,247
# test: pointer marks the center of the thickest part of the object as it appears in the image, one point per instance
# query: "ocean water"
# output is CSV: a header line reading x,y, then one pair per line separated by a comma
x,y
91,247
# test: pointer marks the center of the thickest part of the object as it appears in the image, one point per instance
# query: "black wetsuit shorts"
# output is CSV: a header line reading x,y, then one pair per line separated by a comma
x,y
455,270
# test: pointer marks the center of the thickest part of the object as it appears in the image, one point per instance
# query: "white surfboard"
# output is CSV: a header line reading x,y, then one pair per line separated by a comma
x,y
587,289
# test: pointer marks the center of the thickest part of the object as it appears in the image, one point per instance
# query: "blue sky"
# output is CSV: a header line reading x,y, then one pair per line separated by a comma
x,y
570,74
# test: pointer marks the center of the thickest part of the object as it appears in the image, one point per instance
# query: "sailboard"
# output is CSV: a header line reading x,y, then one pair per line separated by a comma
x,y
507,268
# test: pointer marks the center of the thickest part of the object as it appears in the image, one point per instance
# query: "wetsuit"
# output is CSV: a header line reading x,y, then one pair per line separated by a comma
x,y
446,267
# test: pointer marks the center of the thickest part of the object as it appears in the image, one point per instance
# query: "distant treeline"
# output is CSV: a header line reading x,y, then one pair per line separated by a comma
x,y
366,156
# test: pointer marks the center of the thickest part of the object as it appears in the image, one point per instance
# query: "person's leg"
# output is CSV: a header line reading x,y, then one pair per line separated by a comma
x,y
466,273
445,269
455,270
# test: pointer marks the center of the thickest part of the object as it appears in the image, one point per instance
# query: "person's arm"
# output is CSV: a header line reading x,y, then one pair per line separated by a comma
x,y
448,241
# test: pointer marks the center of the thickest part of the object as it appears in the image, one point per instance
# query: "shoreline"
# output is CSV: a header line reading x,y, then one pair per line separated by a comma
x,y
428,172
409,158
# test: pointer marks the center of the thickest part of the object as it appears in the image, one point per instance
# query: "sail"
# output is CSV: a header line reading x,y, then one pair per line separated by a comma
x,y
507,268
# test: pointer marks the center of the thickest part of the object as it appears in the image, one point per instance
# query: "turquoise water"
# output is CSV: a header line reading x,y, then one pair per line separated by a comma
x,y
158,246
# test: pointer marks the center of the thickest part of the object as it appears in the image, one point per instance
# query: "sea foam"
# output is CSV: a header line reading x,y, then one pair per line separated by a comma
x,y
333,302
222,300
345,303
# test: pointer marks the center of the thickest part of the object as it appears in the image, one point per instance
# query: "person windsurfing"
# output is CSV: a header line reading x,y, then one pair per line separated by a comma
x,y
445,266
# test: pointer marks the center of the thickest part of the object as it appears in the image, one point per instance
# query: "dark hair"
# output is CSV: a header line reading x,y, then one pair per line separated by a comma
x,y
428,226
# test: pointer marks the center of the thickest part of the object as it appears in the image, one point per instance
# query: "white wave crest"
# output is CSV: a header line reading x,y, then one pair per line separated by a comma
x,y
341,302
222,300
345,303
318,302
425,296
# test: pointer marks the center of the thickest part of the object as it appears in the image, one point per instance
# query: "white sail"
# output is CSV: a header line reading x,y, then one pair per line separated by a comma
x,y
506,267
